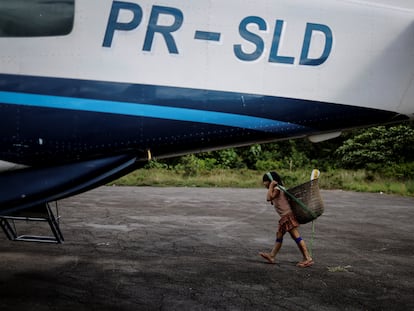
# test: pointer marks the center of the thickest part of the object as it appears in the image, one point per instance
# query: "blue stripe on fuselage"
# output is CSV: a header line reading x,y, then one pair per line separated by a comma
x,y
145,110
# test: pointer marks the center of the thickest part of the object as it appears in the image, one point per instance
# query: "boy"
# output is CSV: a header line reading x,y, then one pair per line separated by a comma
x,y
287,222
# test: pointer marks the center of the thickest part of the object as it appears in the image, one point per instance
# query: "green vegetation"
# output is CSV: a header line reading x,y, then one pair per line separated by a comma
x,y
339,268
361,180
379,159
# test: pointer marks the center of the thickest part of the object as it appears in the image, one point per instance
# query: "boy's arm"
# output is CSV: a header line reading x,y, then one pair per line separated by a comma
x,y
273,191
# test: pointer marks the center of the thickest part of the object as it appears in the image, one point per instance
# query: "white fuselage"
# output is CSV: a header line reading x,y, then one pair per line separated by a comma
x,y
369,62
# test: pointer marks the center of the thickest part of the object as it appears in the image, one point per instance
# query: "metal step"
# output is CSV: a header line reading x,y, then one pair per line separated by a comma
x,y
39,213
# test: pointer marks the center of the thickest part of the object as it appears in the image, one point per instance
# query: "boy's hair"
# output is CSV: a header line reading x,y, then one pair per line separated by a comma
x,y
269,176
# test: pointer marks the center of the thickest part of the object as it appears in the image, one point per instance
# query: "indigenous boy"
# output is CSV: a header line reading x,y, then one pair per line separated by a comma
x,y
287,222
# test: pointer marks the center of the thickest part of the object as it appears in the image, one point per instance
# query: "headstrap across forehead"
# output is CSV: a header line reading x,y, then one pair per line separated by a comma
x,y
270,176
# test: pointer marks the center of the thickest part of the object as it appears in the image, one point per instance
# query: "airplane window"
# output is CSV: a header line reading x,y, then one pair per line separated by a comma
x,y
36,18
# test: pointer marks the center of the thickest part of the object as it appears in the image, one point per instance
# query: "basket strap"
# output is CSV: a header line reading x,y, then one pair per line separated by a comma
x,y
301,204
312,237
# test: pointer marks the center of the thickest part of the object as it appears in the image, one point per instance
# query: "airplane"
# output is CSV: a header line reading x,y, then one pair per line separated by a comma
x,y
93,89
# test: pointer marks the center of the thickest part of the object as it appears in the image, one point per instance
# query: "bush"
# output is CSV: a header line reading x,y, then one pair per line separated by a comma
x,y
268,165
400,170
190,165
381,146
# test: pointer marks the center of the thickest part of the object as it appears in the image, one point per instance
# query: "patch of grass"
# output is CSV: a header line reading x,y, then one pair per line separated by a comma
x,y
360,180
205,178
339,268
409,186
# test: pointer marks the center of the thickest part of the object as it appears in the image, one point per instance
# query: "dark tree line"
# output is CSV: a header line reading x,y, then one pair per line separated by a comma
x,y
388,150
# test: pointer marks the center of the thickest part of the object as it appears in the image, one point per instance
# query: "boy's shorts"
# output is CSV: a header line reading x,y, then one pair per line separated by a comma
x,y
287,223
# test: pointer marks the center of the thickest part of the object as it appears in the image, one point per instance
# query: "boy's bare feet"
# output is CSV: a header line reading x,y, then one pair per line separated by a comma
x,y
268,257
305,263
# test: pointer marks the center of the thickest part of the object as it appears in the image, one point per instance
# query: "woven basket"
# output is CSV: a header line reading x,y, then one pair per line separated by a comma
x,y
309,194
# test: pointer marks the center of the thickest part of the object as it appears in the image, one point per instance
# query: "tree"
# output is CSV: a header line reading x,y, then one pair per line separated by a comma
x,y
381,145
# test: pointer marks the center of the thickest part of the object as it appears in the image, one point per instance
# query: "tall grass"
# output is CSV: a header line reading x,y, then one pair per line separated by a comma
x,y
361,180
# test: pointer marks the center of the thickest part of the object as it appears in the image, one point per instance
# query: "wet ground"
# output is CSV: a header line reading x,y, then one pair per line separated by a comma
x,y
147,248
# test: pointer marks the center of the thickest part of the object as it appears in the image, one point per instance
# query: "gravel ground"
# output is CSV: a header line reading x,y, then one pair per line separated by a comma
x,y
144,248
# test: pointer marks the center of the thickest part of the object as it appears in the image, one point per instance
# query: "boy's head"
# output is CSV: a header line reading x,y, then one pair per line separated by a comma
x,y
269,177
